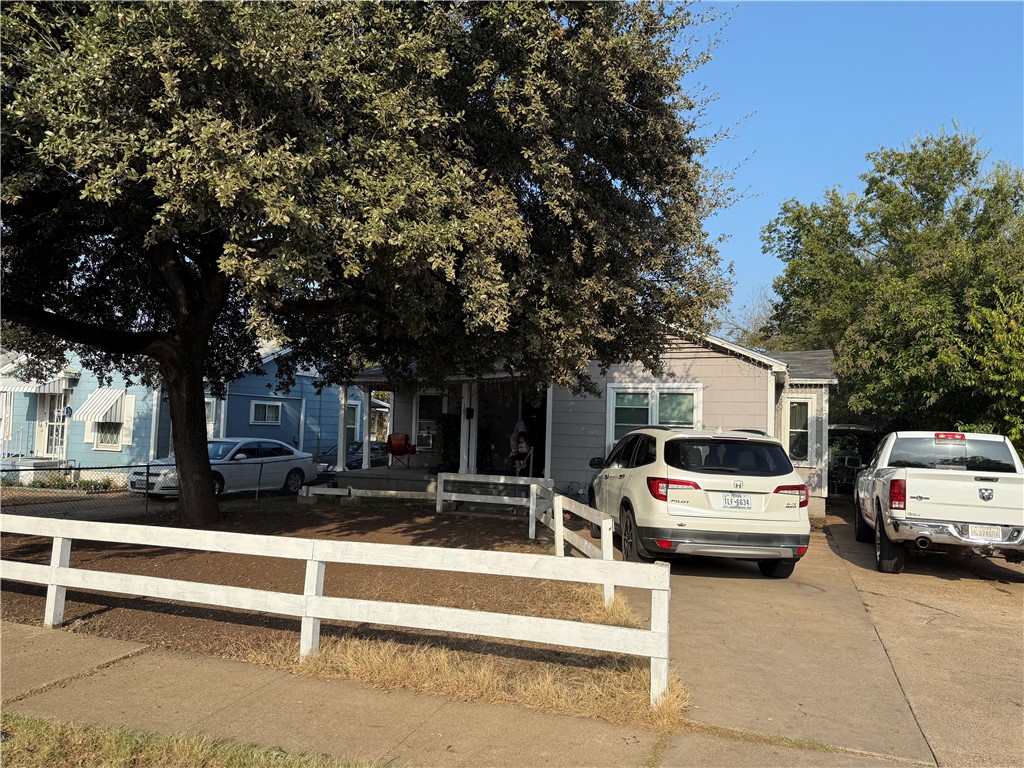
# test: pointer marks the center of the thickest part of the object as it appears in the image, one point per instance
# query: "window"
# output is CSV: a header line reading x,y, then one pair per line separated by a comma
x,y
428,419
351,419
631,411
265,413
799,432
108,434
670,405
211,410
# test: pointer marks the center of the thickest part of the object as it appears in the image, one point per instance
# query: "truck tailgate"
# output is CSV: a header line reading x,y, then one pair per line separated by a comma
x,y
965,496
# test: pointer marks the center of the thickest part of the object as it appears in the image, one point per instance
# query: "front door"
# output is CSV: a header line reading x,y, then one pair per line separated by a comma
x,y
53,431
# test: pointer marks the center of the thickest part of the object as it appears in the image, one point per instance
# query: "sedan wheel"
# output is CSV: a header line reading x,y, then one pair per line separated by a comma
x,y
293,482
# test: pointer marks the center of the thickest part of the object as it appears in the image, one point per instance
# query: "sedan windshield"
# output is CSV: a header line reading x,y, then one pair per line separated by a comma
x,y
218,449
740,457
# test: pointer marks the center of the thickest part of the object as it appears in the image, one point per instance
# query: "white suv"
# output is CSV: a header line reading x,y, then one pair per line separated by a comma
x,y
687,492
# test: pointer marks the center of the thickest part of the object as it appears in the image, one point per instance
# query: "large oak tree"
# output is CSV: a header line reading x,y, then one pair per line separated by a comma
x,y
428,186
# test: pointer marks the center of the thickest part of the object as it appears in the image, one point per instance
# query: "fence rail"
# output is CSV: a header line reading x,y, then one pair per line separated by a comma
x,y
312,606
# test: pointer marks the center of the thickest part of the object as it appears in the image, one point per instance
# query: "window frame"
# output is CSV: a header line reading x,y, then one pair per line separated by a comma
x,y
98,446
269,403
415,436
812,414
654,391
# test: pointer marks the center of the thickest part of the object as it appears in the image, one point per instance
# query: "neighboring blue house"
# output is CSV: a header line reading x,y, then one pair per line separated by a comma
x,y
75,419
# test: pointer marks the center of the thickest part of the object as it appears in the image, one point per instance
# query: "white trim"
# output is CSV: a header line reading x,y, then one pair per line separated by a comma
x,y
154,422
252,412
811,401
549,418
211,424
414,432
654,390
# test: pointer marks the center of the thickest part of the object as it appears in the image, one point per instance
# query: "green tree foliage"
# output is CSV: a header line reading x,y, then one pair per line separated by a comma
x,y
918,284
428,186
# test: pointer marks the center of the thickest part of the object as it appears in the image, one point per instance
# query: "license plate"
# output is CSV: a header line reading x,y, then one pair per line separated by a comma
x,y
984,532
137,485
736,501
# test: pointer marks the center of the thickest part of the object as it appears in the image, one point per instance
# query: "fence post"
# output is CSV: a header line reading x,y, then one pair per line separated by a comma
x,y
608,553
60,557
659,623
259,479
533,511
556,511
309,636
439,502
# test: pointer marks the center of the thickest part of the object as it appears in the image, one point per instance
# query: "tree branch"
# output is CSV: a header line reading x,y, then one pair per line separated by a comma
x,y
77,332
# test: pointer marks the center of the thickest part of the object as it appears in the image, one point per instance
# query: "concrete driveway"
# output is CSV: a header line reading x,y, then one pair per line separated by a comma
x,y
925,666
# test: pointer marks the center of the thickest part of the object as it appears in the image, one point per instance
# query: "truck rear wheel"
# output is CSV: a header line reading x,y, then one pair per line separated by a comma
x,y
889,555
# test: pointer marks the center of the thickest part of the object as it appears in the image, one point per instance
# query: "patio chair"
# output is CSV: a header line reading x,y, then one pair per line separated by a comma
x,y
400,449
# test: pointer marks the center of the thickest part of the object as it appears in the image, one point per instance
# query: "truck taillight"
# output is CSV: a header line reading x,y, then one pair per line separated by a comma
x,y
897,494
659,486
795,490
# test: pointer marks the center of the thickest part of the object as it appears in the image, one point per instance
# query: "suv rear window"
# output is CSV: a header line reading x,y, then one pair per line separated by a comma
x,y
970,455
728,457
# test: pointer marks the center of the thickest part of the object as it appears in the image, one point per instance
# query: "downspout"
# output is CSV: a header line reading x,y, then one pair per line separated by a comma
x,y
302,421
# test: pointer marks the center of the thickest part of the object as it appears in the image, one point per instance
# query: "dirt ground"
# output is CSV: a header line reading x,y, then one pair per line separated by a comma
x,y
234,634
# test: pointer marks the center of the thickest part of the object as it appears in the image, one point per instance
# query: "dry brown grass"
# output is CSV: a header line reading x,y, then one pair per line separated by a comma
x,y
614,688
36,743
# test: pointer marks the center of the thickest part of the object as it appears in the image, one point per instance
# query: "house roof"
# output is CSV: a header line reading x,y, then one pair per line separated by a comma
x,y
809,365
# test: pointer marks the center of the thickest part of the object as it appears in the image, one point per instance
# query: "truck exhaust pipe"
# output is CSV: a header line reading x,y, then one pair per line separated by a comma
x,y
923,542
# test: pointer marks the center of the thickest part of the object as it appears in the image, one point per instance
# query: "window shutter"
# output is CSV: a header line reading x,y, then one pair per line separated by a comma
x,y
90,432
127,419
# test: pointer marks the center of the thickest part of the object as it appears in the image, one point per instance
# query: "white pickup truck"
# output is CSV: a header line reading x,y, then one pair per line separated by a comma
x,y
941,491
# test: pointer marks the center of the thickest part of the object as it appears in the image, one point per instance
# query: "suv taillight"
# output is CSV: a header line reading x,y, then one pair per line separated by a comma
x,y
794,490
659,486
897,494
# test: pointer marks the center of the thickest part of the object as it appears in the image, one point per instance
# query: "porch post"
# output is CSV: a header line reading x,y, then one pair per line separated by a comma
x,y
367,411
466,424
474,430
342,416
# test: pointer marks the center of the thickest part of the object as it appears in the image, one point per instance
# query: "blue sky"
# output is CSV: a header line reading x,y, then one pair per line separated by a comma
x,y
824,83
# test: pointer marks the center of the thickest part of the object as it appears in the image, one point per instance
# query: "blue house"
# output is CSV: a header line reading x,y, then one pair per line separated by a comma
x,y
75,419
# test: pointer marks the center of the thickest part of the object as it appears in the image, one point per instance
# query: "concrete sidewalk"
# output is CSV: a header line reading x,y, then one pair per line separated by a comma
x,y
97,681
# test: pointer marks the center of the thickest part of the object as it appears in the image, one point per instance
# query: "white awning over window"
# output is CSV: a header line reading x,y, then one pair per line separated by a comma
x,y
103,405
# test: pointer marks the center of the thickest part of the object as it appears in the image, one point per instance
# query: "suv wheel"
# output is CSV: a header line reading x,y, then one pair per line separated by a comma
x,y
595,529
631,547
776,569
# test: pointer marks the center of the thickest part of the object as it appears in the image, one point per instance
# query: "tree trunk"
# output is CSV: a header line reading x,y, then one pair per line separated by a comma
x,y
186,396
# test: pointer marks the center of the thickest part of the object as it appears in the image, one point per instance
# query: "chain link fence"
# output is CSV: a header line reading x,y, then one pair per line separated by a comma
x,y
122,491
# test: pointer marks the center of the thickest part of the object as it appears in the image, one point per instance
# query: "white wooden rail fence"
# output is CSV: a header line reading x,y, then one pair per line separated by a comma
x,y
312,606
448,478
